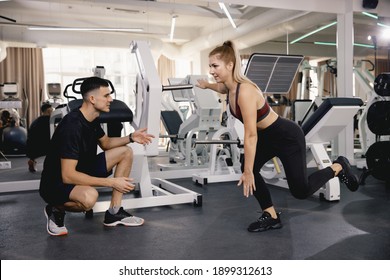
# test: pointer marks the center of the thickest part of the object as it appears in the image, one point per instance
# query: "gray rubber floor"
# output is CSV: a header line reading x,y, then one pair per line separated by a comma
x,y
355,228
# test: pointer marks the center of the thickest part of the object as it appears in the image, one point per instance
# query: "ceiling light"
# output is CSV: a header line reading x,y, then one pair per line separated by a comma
x,y
51,28
173,23
334,44
386,34
325,43
370,15
386,30
364,45
372,38
314,31
383,25
225,10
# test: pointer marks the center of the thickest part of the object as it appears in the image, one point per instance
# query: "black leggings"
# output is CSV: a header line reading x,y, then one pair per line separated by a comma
x,y
285,140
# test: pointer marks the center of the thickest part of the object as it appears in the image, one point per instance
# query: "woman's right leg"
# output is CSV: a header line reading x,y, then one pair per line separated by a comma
x,y
269,218
263,155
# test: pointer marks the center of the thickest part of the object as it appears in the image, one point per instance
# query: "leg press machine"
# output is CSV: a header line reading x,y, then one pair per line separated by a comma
x,y
323,126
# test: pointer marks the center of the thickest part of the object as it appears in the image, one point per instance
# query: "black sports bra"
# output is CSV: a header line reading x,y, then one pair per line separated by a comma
x,y
261,113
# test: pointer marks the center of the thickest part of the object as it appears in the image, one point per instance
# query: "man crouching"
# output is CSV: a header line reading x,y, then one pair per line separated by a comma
x,y
73,170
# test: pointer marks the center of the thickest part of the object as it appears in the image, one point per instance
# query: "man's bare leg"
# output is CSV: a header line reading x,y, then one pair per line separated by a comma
x,y
122,159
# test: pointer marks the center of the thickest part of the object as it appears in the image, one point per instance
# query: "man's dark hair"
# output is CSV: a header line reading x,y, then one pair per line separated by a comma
x,y
45,106
92,83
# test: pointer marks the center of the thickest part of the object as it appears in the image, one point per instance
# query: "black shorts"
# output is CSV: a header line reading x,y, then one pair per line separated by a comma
x,y
58,193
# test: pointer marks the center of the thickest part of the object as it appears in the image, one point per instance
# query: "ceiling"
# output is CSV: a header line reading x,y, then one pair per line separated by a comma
x,y
263,26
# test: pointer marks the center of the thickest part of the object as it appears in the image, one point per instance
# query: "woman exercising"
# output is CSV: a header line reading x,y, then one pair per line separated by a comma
x,y
267,135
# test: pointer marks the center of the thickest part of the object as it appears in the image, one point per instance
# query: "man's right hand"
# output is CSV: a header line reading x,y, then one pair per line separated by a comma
x,y
123,184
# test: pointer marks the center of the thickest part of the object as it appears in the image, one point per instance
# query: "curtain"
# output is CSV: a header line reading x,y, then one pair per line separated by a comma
x,y
382,65
166,69
24,66
329,82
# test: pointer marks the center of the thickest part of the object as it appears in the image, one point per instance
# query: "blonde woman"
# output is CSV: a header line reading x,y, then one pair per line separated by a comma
x,y
267,135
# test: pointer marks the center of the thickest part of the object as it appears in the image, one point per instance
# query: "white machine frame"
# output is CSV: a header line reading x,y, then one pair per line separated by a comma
x,y
203,122
218,170
366,81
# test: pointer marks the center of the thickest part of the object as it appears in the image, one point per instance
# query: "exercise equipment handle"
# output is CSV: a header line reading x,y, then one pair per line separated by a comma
x,y
77,83
177,87
216,142
65,93
370,62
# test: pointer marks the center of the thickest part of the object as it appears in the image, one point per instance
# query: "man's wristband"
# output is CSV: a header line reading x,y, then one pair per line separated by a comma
x,y
131,138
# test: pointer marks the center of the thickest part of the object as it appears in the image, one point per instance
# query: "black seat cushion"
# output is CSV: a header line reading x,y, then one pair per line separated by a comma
x,y
172,122
119,111
325,106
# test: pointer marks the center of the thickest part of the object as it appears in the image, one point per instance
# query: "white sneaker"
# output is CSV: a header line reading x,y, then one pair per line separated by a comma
x,y
122,218
55,222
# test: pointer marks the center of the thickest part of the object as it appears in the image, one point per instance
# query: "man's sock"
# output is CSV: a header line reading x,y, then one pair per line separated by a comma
x,y
113,210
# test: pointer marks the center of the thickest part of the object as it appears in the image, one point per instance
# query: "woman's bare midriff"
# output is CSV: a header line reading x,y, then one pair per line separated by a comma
x,y
270,119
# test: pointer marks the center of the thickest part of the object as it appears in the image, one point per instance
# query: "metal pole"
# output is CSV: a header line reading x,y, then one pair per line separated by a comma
x,y
177,87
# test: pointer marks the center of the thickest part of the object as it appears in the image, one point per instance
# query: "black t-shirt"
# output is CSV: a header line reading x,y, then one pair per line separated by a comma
x,y
74,138
38,137
40,126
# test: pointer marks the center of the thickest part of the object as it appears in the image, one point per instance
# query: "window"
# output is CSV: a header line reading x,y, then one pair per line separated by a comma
x,y
64,65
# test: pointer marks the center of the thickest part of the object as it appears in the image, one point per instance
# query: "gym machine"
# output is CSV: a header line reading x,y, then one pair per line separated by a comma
x,y
378,121
225,155
320,128
365,79
203,122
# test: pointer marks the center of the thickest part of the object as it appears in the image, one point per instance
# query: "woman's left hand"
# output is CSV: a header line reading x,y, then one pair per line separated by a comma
x,y
248,181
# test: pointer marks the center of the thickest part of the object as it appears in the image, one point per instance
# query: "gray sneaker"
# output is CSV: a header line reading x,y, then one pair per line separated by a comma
x,y
55,221
122,218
